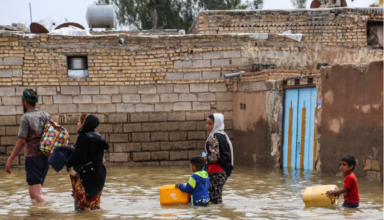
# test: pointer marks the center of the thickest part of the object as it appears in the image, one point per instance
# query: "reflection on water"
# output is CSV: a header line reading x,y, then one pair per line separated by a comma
x,y
132,193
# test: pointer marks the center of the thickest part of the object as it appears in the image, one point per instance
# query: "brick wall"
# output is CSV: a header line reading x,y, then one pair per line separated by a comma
x,y
41,60
148,123
336,26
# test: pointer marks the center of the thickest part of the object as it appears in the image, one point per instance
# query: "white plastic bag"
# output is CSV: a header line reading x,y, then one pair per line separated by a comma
x,y
70,31
47,23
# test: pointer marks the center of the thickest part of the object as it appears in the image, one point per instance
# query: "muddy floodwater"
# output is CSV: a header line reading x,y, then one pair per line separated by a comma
x,y
132,193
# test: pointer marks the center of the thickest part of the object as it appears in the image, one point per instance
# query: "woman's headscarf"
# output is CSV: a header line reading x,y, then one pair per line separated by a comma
x,y
218,128
90,124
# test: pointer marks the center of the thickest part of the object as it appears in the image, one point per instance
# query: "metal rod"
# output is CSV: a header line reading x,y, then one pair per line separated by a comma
x,y
314,142
302,138
30,10
290,137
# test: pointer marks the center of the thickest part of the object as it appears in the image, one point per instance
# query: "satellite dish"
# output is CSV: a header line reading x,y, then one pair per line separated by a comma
x,y
42,27
67,24
315,4
37,28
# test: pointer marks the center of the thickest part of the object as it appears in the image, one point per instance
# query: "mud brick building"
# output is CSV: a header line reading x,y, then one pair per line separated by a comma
x,y
153,93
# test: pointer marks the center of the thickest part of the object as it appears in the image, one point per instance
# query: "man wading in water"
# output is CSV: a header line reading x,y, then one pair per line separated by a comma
x,y
30,131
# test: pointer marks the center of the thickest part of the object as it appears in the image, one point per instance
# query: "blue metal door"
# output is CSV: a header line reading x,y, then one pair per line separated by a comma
x,y
300,146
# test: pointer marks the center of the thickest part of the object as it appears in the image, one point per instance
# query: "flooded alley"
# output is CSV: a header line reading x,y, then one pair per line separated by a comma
x,y
132,193
288,93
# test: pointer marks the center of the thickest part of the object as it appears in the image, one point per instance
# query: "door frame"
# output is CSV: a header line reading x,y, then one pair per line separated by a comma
x,y
293,83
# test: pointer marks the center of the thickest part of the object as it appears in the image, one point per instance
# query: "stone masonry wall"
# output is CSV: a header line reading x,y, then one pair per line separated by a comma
x,y
336,26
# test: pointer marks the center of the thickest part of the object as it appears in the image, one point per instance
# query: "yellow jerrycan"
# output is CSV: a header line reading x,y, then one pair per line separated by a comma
x,y
170,195
315,196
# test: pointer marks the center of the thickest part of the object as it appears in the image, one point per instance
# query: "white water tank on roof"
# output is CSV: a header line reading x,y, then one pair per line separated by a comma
x,y
101,16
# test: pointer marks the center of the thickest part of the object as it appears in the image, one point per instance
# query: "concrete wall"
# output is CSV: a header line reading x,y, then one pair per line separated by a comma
x,y
350,121
254,125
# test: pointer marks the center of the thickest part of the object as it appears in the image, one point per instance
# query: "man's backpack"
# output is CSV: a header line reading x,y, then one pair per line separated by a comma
x,y
54,135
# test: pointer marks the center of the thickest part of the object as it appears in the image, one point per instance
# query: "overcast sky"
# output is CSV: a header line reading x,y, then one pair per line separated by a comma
x,y
74,10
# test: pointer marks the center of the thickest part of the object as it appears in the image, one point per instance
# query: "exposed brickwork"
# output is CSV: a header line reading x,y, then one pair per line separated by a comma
x,y
336,26
41,60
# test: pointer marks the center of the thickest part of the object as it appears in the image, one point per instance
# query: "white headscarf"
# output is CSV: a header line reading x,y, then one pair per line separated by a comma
x,y
218,128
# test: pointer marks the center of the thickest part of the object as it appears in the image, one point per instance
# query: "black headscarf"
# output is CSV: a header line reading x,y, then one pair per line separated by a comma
x,y
88,158
90,124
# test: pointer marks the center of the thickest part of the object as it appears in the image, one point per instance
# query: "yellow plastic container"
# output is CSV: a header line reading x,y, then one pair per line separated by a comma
x,y
315,196
170,195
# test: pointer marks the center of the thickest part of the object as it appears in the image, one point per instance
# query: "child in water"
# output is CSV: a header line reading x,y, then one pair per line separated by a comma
x,y
350,187
198,183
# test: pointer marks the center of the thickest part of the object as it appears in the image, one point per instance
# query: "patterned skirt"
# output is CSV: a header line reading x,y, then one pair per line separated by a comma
x,y
216,184
81,201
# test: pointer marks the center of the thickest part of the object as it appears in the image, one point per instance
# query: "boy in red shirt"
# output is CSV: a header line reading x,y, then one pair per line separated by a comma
x,y
350,188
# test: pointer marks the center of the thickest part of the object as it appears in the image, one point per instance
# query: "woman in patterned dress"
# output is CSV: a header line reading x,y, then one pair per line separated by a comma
x,y
219,156
87,170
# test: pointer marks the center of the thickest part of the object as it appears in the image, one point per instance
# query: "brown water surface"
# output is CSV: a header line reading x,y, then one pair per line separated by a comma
x,y
132,193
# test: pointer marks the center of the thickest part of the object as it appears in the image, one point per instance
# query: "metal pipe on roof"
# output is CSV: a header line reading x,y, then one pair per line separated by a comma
x,y
231,75
30,10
